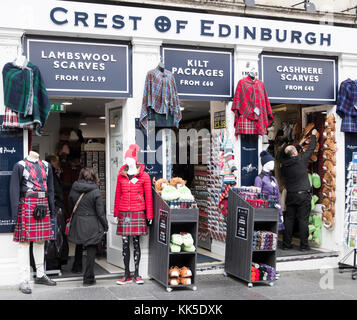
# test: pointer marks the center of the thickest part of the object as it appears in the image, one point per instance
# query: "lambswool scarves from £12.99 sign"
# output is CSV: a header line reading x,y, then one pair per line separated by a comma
x,y
26,96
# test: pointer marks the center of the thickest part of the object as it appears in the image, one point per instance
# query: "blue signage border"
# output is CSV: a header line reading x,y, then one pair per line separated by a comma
x,y
127,93
200,96
301,100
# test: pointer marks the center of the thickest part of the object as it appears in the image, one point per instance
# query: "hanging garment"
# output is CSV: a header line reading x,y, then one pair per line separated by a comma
x,y
251,107
25,93
160,94
347,105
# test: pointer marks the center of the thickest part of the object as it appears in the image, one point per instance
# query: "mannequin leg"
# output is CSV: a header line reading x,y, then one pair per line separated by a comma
x,y
39,256
24,261
23,257
137,254
126,255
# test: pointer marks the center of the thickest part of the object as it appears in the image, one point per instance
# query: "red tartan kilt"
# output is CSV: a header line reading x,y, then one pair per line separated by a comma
x,y
27,227
132,224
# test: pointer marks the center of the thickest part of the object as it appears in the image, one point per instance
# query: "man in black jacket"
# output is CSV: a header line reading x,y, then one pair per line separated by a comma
x,y
298,199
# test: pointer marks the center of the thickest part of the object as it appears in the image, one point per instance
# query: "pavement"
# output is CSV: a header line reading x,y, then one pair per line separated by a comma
x,y
292,285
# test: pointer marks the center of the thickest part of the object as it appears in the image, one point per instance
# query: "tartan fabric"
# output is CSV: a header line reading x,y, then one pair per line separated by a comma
x,y
160,94
250,95
132,223
347,105
25,93
34,175
27,228
11,121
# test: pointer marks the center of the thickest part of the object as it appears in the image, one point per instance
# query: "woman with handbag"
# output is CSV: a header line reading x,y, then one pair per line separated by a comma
x,y
88,220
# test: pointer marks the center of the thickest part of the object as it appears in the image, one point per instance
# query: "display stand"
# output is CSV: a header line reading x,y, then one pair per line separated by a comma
x,y
242,221
166,222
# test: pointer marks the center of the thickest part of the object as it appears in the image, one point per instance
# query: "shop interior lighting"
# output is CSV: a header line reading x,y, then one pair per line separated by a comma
x,y
102,118
309,6
182,108
279,109
249,3
67,103
83,123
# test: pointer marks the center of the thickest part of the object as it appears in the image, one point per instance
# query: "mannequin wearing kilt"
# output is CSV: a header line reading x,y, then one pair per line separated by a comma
x,y
31,185
133,209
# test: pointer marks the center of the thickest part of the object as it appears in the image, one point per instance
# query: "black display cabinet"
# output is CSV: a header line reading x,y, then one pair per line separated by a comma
x,y
242,221
166,222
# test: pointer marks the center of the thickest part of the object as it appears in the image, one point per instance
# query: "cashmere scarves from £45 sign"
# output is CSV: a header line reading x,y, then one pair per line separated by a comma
x,y
251,107
25,93
160,94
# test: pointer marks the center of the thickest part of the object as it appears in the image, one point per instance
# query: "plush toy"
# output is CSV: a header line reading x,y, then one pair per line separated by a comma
x,y
329,180
185,193
329,134
326,203
317,148
308,128
177,182
314,199
328,220
170,193
315,224
330,122
330,145
329,155
160,184
313,157
329,166
328,192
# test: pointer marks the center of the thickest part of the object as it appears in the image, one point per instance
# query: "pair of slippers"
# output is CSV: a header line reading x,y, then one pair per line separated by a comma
x,y
315,180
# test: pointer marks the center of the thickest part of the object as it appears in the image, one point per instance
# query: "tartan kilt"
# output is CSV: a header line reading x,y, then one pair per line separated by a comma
x,y
132,224
246,126
27,228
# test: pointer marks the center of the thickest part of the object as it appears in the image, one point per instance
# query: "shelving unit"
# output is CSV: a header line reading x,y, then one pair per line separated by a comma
x,y
242,221
166,222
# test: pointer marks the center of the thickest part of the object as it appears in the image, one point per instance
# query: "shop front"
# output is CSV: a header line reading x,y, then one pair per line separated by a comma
x,y
97,58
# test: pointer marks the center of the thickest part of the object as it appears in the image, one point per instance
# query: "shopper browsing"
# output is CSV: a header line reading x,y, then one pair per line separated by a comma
x,y
89,222
298,199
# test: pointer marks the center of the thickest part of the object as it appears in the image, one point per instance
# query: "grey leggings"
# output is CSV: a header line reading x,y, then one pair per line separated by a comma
x,y
126,255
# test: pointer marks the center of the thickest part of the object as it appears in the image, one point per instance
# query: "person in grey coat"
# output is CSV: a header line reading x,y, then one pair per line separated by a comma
x,y
89,222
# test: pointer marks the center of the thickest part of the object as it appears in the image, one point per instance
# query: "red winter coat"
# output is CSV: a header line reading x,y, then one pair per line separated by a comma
x,y
133,196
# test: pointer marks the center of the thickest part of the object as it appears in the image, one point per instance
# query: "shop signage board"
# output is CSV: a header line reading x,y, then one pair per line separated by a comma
x,y
82,68
11,151
220,120
242,223
163,217
200,73
299,78
249,159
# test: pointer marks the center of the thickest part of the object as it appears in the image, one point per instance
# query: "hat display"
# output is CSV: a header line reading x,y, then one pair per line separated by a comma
x,y
132,152
265,157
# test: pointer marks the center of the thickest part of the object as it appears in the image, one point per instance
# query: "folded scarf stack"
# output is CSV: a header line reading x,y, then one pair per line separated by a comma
x,y
262,272
264,240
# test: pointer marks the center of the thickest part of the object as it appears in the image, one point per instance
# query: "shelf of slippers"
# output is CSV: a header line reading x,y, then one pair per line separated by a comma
x,y
173,242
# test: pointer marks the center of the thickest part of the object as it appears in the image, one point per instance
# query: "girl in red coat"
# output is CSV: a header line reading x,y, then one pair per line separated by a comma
x,y
133,196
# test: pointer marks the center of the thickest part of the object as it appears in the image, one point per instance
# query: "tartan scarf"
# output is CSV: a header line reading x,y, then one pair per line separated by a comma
x,y
25,93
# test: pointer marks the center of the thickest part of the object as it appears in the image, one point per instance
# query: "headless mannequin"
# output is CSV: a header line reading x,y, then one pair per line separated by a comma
x,y
24,251
132,170
20,61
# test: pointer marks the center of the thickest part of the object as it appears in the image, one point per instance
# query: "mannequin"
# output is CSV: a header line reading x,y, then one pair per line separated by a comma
x,y
268,183
32,204
133,209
